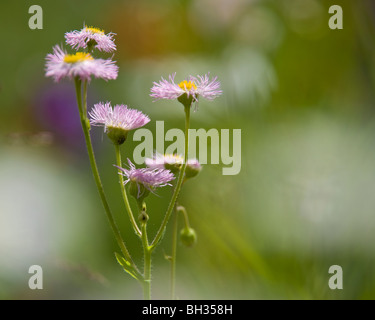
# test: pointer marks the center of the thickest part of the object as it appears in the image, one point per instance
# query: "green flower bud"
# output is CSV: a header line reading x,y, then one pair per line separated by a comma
x,y
188,237
193,167
143,217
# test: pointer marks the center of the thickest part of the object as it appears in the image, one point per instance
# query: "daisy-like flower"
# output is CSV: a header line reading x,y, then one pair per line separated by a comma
x,y
187,91
82,65
117,121
173,162
145,180
90,37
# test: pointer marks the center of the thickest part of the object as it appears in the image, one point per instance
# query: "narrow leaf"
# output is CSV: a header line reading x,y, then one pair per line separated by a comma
x,y
127,266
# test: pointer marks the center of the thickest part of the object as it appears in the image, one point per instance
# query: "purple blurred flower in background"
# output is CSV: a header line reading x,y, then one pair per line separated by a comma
x,y
60,65
193,87
54,108
91,37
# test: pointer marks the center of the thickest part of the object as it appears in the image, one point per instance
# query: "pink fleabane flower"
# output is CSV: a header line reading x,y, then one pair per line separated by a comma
x,y
164,161
120,116
145,180
90,37
117,121
82,65
193,88
174,162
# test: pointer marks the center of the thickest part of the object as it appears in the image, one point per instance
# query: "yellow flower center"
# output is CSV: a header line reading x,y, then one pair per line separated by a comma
x,y
78,57
173,158
94,30
188,85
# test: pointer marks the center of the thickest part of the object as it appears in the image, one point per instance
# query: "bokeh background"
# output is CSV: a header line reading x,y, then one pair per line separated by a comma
x,y
303,96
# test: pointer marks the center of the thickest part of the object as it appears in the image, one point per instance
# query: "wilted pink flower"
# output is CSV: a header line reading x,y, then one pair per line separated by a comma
x,y
91,37
147,177
82,65
195,87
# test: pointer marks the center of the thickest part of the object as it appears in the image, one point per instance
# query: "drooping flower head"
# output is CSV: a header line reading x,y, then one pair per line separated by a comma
x,y
60,65
90,37
174,162
117,121
145,180
189,90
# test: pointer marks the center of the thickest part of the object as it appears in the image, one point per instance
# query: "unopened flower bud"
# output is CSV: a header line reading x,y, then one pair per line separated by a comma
x,y
193,167
143,217
188,237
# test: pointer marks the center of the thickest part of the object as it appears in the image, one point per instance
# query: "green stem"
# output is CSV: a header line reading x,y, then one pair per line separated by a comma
x,y
186,218
174,254
147,264
84,100
124,195
90,151
179,181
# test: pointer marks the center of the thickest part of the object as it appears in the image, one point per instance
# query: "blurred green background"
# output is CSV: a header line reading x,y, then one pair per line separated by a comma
x,y
303,96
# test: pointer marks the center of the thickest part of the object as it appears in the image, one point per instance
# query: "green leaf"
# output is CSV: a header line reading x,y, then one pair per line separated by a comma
x,y
127,266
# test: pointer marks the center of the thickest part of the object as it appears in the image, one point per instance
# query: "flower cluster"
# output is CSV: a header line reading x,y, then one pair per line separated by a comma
x,y
60,65
117,121
82,65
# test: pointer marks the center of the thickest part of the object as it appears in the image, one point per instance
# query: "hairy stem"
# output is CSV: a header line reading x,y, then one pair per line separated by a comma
x,y
147,264
179,182
124,195
85,126
174,253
